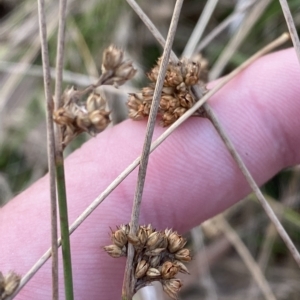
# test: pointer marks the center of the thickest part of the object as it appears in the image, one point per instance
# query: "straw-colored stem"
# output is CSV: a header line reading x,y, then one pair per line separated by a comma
x,y
50,145
59,160
238,38
246,256
291,25
199,28
223,25
129,279
149,25
154,145
270,213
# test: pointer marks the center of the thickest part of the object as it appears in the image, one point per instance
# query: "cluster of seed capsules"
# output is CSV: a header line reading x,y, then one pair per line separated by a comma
x,y
75,115
176,97
159,255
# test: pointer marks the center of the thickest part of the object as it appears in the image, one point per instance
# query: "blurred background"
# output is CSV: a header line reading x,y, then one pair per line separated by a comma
x,y
218,269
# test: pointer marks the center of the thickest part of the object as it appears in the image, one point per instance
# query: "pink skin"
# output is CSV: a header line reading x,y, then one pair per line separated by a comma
x,y
191,177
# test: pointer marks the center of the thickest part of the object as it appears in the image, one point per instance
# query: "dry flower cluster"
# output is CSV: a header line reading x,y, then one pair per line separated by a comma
x,y
159,255
76,116
176,97
8,284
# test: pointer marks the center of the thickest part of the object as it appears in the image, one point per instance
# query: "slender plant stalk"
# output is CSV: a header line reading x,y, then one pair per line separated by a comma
x,y
59,159
78,79
238,38
150,25
206,279
129,279
282,39
246,256
199,28
223,25
266,206
50,145
291,25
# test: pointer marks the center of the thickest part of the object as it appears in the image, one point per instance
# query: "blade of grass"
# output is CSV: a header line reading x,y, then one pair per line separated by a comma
x,y
129,278
50,145
154,145
199,28
59,159
291,25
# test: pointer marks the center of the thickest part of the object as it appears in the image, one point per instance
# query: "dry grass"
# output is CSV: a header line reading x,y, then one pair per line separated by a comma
x,y
21,101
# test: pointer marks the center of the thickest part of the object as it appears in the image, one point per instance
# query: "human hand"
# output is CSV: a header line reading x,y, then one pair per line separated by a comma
x,y
191,177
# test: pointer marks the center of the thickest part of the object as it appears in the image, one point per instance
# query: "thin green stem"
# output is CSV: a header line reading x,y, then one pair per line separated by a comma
x,y
59,159
64,228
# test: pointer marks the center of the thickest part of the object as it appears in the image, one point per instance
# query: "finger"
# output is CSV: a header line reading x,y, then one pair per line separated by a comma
x,y
190,177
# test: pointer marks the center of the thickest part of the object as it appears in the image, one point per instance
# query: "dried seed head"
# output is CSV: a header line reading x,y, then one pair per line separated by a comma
x,y
8,284
183,255
176,242
172,287
169,270
141,269
133,239
119,238
153,273
115,251
112,58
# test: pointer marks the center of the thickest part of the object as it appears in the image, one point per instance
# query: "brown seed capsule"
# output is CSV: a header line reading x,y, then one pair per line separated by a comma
x,y
155,261
112,58
115,251
133,239
142,236
63,116
155,252
171,287
94,102
11,282
169,270
125,71
154,240
176,242
141,269
125,228
119,238
99,119
153,273
183,255
181,267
